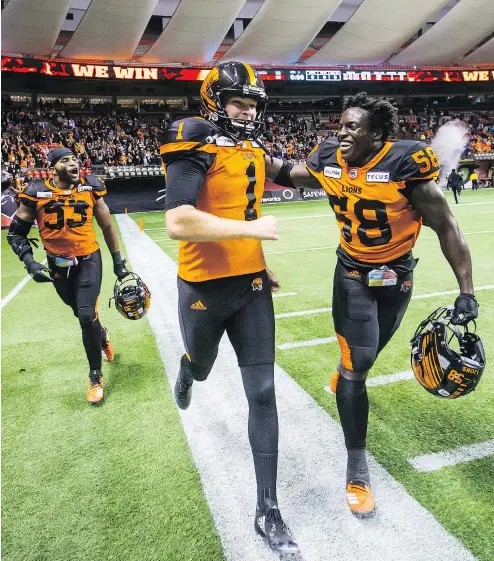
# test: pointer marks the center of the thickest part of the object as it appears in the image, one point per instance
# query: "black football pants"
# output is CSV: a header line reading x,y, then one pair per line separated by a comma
x,y
79,287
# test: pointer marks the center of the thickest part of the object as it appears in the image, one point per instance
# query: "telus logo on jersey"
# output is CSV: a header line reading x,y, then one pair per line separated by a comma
x,y
330,171
377,177
44,194
84,188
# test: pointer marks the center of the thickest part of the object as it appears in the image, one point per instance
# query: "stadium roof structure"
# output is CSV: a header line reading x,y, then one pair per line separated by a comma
x,y
263,32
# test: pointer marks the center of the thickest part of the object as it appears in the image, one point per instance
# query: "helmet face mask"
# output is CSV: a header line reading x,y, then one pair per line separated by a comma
x,y
132,297
439,368
225,81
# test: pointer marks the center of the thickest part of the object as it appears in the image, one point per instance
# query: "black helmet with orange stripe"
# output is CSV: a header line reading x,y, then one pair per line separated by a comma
x,y
438,367
233,79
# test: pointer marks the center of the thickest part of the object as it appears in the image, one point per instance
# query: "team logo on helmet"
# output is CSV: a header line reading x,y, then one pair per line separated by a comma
x,y
438,367
132,297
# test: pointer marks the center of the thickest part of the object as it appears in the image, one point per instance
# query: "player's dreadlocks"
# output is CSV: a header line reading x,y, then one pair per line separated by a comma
x,y
383,115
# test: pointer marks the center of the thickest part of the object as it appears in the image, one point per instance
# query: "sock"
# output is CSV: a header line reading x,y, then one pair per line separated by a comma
x,y
353,408
357,469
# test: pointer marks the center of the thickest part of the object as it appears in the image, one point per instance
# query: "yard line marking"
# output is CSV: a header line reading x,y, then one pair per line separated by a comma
x,y
476,214
311,343
304,249
283,294
304,313
335,246
304,217
417,297
17,289
310,477
384,379
449,458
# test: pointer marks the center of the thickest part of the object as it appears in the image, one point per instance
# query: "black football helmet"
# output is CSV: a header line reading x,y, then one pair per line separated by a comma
x,y
441,370
226,80
132,297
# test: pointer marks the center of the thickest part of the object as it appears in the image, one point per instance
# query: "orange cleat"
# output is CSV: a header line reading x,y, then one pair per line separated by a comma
x,y
360,499
107,351
333,382
95,393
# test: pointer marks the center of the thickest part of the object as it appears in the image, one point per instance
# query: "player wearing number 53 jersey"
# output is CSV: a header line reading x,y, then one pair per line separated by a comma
x,y
64,208
215,176
380,191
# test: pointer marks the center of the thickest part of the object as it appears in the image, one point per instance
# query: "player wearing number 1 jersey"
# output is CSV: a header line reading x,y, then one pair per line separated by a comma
x,y
215,176
64,207
380,191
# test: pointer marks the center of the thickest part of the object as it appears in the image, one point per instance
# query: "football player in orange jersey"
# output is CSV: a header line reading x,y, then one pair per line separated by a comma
x,y
64,208
380,191
215,175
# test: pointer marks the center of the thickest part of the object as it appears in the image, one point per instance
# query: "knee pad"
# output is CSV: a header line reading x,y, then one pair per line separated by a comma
x,y
363,358
86,315
199,370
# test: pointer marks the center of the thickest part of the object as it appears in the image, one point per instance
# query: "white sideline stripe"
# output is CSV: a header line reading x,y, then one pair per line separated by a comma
x,y
335,246
17,288
311,343
312,455
417,297
384,379
460,455
283,294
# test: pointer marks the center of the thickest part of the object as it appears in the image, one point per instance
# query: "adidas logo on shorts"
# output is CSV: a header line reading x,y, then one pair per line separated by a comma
x,y
198,306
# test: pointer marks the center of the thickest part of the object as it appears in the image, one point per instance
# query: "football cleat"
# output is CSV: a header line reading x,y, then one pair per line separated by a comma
x,y
360,499
95,393
437,366
183,385
269,524
107,351
333,382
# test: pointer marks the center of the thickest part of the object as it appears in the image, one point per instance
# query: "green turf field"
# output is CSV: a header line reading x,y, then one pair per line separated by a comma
x,y
81,483
118,482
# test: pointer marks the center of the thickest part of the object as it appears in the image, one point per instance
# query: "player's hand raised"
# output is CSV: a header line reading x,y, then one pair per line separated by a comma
x,y
264,228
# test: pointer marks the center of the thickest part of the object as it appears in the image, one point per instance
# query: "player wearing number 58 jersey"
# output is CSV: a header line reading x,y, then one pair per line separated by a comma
x,y
215,176
380,191
64,207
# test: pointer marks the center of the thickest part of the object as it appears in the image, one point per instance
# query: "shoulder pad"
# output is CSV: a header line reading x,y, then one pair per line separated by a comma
x,y
95,182
34,187
419,161
324,154
192,129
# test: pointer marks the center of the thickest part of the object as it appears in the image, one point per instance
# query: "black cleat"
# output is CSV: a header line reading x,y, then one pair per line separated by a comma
x,y
183,387
269,524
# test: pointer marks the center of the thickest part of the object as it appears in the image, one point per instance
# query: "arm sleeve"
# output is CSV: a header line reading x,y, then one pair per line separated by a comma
x,y
184,180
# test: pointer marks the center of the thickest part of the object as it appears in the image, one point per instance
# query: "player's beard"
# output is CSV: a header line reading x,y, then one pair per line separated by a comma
x,y
69,178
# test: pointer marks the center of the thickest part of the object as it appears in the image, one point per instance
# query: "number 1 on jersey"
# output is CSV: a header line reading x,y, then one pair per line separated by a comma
x,y
250,212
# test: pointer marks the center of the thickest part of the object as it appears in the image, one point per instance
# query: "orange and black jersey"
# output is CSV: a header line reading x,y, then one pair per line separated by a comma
x,y
372,203
216,175
65,217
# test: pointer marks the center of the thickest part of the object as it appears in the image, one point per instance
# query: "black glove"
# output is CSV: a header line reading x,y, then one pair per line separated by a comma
x,y
119,267
39,272
466,309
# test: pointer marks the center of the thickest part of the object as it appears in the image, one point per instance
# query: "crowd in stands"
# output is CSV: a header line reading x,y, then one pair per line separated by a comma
x,y
107,137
